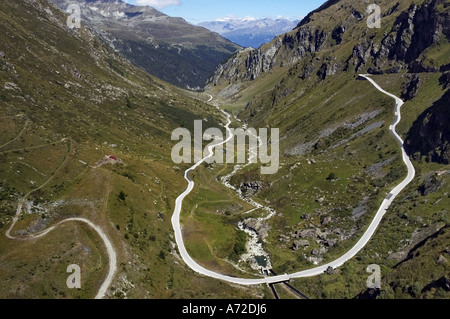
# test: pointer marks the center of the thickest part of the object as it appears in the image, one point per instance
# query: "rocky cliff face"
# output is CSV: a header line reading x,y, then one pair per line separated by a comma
x,y
259,61
401,47
411,87
287,50
413,32
430,134
413,39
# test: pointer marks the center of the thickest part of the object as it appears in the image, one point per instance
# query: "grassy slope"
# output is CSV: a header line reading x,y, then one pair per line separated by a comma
x,y
111,103
303,109
140,225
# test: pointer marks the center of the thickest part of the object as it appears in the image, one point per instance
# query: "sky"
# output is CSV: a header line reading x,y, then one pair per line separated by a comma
x,y
196,11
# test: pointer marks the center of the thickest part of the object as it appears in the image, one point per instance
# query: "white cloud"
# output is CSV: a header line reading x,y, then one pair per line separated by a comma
x,y
158,3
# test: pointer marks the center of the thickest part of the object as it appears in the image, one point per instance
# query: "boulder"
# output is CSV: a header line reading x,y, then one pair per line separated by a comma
x,y
283,238
441,260
322,234
306,217
330,243
331,271
326,220
300,244
251,188
11,86
431,184
305,233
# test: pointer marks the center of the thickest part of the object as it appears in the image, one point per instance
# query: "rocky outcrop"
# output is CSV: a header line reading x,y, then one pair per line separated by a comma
x,y
418,239
310,39
338,34
411,87
305,233
400,49
260,61
229,70
413,32
430,134
430,185
327,69
251,188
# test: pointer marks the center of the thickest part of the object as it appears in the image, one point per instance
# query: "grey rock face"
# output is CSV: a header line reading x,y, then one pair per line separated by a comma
x,y
411,88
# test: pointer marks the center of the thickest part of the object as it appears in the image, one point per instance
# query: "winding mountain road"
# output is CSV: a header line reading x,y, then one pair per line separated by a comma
x,y
314,271
112,255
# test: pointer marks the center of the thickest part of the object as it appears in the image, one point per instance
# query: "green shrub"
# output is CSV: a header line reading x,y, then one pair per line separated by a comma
x,y
122,196
332,177
162,255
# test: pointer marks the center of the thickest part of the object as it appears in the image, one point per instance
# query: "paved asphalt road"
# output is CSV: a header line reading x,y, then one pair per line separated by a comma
x,y
317,270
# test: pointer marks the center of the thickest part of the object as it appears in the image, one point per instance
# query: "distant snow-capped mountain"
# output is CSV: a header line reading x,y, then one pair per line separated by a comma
x,y
250,32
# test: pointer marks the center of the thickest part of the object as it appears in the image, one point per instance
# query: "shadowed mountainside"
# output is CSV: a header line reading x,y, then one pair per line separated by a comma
x,y
169,48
